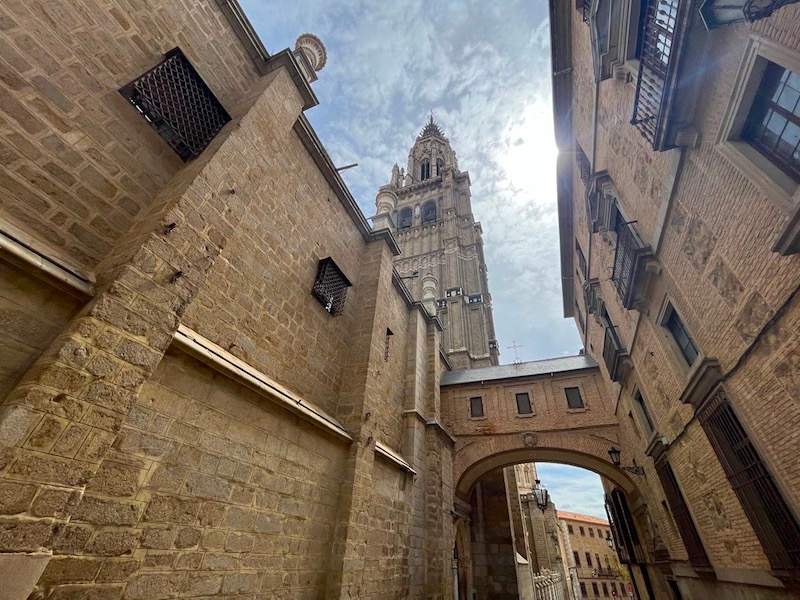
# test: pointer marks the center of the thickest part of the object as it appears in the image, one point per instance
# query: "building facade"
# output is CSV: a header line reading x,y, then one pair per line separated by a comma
x,y
428,207
590,556
677,128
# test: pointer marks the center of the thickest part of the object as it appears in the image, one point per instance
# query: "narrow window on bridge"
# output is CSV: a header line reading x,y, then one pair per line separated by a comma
x,y
476,407
574,399
588,560
595,589
524,406
605,589
583,590
581,530
577,558
591,532
569,528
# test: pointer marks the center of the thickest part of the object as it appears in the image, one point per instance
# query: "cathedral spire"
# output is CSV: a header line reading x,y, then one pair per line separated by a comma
x,y
431,129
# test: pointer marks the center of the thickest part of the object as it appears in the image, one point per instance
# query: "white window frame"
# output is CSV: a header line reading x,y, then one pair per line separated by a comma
x,y
779,187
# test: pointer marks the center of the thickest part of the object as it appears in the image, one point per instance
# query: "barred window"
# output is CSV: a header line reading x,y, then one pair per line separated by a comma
x,y
330,287
177,103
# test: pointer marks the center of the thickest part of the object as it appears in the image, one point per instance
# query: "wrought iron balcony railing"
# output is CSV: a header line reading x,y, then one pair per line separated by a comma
x,y
665,25
631,260
614,354
591,296
606,572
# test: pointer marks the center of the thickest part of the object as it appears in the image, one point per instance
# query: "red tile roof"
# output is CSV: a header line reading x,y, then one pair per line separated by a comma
x,y
571,516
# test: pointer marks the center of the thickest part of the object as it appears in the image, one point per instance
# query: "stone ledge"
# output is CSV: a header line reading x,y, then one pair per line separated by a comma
x,y
223,361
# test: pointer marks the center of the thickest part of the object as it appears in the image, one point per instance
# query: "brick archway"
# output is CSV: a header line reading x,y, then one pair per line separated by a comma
x,y
476,456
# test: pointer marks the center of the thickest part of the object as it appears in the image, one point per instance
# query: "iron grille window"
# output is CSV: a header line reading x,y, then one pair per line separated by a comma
x,y
603,210
330,287
775,525
591,296
683,519
773,125
429,212
613,352
681,336
584,168
639,400
626,538
659,38
476,407
524,406
574,400
404,220
581,259
628,248
178,104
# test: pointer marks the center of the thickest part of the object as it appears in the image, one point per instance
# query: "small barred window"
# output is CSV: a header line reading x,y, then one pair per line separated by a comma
x,y
177,103
330,287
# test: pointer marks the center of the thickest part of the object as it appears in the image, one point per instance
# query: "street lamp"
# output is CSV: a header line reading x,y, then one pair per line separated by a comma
x,y
542,496
615,454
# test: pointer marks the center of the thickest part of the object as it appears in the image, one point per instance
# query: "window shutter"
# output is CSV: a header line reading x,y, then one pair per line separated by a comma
x,y
772,519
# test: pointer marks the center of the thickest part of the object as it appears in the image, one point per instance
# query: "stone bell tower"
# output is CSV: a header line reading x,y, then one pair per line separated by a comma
x,y
427,206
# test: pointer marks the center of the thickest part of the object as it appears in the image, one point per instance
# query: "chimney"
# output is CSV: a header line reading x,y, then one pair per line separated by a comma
x,y
310,54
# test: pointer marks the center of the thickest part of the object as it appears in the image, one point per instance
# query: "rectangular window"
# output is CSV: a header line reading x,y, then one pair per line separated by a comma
x,y
581,320
524,406
772,519
581,259
574,399
475,298
681,336
648,421
595,589
569,528
581,530
588,560
681,514
605,589
583,590
613,588
177,103
591,532
330,286
577,558
476,407
773,124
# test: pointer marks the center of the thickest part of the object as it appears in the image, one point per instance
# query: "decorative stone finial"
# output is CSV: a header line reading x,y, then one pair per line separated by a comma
x,y
310,53
431,128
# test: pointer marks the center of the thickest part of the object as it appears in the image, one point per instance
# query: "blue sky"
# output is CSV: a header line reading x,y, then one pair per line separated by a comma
x,y
483,69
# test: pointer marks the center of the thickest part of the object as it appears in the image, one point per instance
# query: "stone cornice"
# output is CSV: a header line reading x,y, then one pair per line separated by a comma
x,y
286,58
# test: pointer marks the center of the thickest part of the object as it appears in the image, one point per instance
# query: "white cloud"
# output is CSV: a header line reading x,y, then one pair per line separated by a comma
x,y
573,489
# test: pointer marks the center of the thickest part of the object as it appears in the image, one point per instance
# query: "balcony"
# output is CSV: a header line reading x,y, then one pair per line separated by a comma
x,y
591,296
615,356
665,29
606,572
633,261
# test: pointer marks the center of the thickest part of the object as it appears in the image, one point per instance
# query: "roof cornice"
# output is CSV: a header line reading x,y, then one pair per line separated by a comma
x,y
561,62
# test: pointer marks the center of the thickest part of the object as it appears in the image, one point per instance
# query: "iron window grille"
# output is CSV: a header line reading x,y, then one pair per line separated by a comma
x,y
591,296
584,168
524,406
476,407
574,399
581,259
603,211
630,259
330,287
773,124
177,103
625,536
683,518
773,521
404,220
680,334
665,22
614,353
429,212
